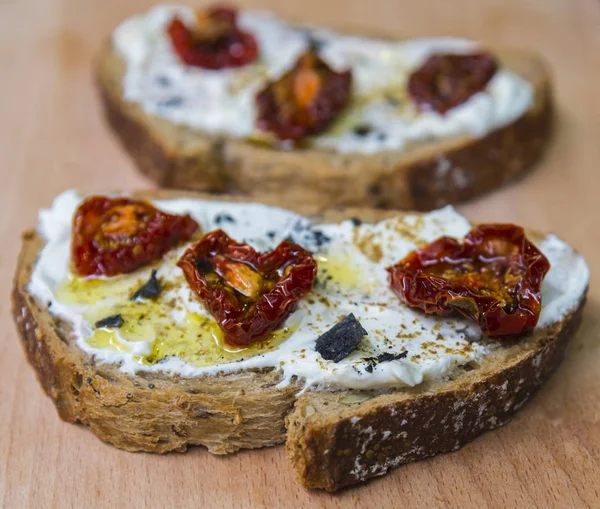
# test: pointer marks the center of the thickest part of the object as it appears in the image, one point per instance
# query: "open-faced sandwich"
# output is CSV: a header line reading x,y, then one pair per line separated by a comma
x,y
364,339
221,101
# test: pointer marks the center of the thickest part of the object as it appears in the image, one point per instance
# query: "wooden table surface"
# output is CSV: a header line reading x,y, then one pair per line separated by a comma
x,y
52,138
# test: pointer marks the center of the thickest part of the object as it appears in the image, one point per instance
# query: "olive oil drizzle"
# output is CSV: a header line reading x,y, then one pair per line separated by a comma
x,y
196,339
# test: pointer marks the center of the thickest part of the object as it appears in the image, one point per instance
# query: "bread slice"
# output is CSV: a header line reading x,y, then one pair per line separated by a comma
x,y
423,176
334,439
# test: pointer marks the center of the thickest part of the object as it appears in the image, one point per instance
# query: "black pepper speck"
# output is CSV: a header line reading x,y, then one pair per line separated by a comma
x,y
224,218
171,102
362,129
163,81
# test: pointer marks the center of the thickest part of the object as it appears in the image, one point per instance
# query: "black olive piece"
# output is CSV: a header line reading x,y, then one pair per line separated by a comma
x,y
320,238
149,290
384,357
341,340
113,321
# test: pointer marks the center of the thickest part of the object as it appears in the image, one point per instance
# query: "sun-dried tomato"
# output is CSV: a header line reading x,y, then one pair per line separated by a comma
x,y
215,42
117,235
304,100
250,294
494,278
447,80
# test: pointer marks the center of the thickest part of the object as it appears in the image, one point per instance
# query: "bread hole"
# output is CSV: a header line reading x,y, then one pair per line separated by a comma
x,y
179,431
374,188
76,385
201,413
61,335
470,366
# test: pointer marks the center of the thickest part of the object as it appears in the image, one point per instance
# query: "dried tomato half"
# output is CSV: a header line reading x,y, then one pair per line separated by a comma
x,y
494,277
117,235
304,100
250,294
447,80
215,42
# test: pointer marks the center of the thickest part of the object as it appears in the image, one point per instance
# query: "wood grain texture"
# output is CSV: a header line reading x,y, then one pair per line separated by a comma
x,y
52,138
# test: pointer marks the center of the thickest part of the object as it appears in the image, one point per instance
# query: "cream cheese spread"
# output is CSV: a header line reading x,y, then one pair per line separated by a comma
x,y
177,335
222,102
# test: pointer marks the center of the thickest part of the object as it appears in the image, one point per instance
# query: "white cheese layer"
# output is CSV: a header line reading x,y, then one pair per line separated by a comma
x,y
351,279
222,102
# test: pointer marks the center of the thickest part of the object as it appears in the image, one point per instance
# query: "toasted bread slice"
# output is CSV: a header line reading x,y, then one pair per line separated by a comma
x,y
334,438
422,176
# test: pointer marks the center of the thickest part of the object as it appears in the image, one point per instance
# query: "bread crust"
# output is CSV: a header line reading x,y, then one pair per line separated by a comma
x,y
332,453
145,412
422,177
330,443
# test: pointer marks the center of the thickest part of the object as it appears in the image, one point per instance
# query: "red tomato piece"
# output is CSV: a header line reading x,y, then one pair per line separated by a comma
x,y
494,278
447,80
305,100
118,235
250,294
215,43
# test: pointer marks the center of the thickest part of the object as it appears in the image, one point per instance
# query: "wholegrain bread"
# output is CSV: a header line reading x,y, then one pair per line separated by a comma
x,y
422,176
333,438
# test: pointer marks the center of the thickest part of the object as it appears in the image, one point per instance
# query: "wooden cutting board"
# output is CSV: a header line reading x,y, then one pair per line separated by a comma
x,y
52,138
